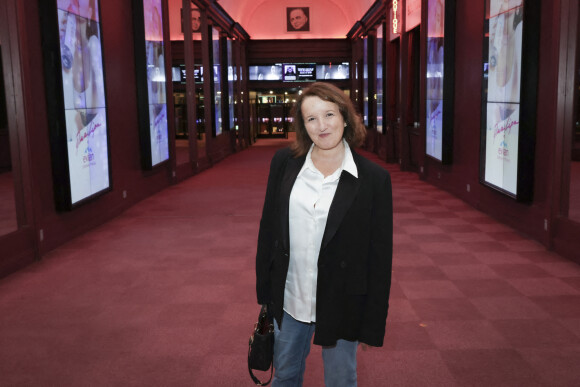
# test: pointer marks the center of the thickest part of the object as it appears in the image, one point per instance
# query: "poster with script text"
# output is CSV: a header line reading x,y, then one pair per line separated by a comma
x,y
502,114
84,97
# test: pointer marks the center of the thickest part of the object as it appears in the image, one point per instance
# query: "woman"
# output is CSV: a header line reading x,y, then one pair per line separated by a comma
x,y
323,264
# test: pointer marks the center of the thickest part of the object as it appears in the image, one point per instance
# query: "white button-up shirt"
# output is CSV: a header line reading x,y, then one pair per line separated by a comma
x,y
310,201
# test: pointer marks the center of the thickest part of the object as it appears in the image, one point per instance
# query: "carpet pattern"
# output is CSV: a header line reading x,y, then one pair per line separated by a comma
x,y
164,295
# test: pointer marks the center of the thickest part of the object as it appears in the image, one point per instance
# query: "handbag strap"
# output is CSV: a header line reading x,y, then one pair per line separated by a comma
x,y
262,318
255,379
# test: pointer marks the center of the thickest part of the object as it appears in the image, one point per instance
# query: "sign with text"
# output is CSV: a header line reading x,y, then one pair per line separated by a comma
x,y
395,20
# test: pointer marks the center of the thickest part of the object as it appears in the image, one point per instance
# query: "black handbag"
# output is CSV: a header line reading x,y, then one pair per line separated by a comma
x,y
261,348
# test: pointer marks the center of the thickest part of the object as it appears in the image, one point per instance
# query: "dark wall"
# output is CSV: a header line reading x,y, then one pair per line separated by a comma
x,y
178,54
5,163
315,50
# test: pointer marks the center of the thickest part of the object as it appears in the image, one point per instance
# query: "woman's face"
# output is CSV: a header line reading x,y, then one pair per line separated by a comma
x,y
195,20
323,121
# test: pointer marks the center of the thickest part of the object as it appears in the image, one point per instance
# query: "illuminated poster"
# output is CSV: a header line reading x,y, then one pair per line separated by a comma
x,y
231,78
217,84
290,73
365,82
157,99
379,87
332,71
84,97
266,73
434,103
299,72
503,93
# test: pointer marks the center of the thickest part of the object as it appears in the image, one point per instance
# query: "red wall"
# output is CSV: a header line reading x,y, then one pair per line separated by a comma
x,y
526,217
122,122
128,176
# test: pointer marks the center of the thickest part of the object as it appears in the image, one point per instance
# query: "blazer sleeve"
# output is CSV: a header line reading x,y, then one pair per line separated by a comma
x,y
268,224
380,265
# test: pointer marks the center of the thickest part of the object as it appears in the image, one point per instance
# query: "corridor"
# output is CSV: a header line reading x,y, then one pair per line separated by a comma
x,y
164,295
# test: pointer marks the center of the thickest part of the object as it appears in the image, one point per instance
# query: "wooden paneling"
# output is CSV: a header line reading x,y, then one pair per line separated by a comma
x,y
311,50
178,54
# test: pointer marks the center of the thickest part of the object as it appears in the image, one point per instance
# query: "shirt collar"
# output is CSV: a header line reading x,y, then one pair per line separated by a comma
x,y
348,163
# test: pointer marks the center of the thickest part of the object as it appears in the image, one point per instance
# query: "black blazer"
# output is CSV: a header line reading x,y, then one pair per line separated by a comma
x,y
355,260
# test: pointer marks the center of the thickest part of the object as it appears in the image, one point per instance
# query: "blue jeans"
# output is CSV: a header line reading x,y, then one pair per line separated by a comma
x,y
292,346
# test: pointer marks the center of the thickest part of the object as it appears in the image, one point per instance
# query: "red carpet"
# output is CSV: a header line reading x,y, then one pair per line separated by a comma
x,y
164,295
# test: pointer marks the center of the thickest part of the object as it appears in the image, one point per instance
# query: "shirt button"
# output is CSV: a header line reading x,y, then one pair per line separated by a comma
x,y
343,264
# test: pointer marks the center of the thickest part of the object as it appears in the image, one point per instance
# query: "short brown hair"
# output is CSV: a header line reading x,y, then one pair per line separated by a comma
x,y
354,132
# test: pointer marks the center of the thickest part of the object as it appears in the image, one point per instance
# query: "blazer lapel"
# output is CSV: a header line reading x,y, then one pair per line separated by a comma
x,y
345,193
291,172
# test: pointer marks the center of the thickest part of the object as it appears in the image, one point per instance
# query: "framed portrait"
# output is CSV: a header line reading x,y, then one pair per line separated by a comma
x,y
195,20
297,19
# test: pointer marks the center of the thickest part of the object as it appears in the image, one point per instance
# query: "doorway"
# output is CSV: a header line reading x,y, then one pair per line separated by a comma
x,y
392,110
574,190
8,215
412,136
273,111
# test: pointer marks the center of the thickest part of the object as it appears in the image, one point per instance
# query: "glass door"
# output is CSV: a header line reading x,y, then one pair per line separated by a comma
x,y
8,218
574,192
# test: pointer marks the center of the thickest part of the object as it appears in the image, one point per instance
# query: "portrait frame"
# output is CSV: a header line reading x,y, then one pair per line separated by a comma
x,y
297,19
195,19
